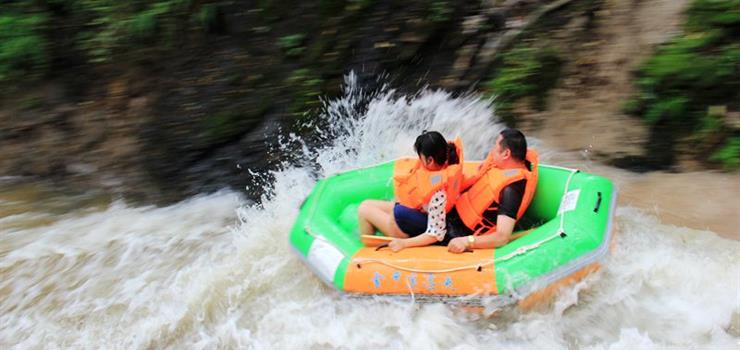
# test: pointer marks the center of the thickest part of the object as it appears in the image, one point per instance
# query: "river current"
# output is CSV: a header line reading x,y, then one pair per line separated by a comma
x,y
216,270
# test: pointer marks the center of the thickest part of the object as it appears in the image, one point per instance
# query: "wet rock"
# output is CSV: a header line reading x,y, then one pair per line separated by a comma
x,y
472,24
81,168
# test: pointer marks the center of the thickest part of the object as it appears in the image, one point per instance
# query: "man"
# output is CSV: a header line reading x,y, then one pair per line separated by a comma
x,y
485,214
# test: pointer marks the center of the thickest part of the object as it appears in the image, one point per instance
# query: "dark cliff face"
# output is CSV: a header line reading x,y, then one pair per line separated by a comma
x,y
165,99
189,113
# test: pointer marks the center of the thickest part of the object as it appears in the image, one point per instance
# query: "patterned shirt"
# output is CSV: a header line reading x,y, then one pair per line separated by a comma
x,y
436,222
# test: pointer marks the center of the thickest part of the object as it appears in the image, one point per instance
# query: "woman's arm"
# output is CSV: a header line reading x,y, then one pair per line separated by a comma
x,y
418,241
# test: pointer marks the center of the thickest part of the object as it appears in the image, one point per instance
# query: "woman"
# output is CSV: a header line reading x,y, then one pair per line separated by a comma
x,y
426,189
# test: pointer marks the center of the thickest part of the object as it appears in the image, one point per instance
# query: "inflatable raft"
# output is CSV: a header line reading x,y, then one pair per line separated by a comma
x,y
564,235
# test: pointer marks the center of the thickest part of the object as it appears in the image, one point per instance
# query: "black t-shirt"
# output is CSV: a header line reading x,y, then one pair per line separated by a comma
x,y
509,202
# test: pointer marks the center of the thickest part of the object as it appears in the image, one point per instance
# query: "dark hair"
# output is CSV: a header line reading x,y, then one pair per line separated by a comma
x,y
433,144
514,140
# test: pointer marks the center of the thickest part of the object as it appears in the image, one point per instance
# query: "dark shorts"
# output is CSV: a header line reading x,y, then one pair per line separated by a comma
x,y
414,222
411,221
455,227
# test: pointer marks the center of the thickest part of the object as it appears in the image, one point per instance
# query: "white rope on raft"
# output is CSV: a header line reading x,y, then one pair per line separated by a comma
x,y
519,251
411,269
565,192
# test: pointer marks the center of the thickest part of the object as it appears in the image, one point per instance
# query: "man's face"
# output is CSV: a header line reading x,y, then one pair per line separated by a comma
x,y
499,152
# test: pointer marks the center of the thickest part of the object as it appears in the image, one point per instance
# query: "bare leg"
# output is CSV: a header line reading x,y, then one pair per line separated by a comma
x,y
375,213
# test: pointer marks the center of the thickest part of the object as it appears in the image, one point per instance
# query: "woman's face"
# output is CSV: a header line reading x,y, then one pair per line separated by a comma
x,y
429,163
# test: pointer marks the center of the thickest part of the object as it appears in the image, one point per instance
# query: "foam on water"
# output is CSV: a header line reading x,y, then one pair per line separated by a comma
x,y
217,272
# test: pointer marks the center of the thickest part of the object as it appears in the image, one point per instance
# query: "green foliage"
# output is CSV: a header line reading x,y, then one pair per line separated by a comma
x,y
143,26
119,26
440,11
23,48
290,41
684,66
631,105
714,13
674,108
292,45
695,70
711,124
307,86
524,72
729,154
225,125
99,30
211,19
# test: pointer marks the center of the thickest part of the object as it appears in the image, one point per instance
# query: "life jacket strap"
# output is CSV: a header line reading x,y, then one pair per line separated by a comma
x,y
483,226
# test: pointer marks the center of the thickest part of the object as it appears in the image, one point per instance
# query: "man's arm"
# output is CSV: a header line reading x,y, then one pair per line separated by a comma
x,y
504,228
511,199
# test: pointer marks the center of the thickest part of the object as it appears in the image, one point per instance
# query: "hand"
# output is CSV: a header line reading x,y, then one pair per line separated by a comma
x,y
397,245
458,245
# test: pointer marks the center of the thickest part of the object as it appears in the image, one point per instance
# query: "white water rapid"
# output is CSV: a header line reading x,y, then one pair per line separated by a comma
x,y
216,271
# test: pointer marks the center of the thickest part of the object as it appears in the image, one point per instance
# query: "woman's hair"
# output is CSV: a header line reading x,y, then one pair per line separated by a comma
x,y
433,144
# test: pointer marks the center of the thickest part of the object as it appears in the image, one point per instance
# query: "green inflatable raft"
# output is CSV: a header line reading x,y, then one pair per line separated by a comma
x,y
564,235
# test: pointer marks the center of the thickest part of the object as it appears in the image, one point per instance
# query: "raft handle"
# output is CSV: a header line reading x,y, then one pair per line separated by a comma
x,y
381,246
598,202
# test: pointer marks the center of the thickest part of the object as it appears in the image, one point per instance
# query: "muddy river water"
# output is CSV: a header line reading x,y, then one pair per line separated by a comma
x,y
216,271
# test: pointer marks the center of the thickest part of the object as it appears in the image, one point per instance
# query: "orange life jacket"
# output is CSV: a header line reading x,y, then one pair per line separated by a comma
x,y
414,185
487,189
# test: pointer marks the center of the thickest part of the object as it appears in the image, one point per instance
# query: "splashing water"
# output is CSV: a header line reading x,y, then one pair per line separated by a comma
x,y
217,272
